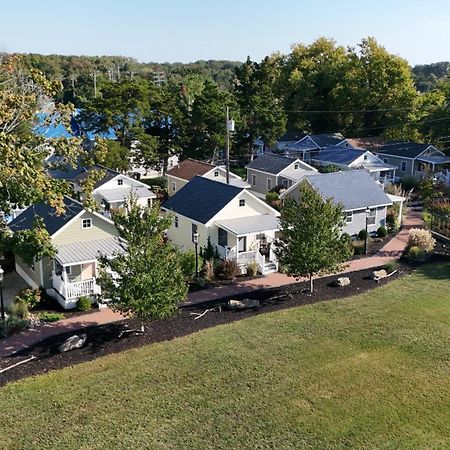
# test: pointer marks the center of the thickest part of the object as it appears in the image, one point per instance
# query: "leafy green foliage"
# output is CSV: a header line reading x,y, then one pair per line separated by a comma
x,y
311,243
12,324
187,261
50,316
227,269
84,304
382,232
32,297
146,280
19,308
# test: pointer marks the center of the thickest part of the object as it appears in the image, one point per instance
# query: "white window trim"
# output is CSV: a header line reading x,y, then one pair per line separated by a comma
x,y
83,221
216,173
254,179
347,215
175,222
120,182
174,186
241,200
269,184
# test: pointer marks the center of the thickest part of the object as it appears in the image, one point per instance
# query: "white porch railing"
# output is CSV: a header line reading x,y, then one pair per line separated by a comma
x,y
77,289
443,176
244,258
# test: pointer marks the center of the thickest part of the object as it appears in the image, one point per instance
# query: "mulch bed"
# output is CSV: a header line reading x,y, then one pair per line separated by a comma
x,y
103,340
374,246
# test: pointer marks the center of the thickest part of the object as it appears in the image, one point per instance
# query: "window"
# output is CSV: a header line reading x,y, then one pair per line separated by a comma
x,y
69,270
371,219
269,184
349,217
119,182
296,166
365,157
420,167
222,237
242,244
385,160
216,173
254,180
242,202
86,223
174,186
176,221
149,202
403,166
285,183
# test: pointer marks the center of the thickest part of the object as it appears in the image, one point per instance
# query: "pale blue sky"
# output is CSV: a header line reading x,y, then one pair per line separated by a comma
x,y
188,30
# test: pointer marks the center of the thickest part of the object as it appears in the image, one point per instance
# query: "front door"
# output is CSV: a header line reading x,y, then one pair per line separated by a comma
x,y
87,271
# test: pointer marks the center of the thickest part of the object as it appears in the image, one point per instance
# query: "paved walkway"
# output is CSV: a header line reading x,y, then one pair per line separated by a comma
x,y
391,251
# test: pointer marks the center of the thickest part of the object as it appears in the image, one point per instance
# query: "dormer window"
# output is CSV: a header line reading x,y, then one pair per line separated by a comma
x,y
120,182
216,173
86,223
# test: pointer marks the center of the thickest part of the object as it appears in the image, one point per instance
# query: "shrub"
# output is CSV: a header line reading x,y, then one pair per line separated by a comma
x,y
50,317
362,235
227,270
358,247
32,297
390,266
422,239
415,253
208,270
84,304
19,309
382,232
160,182
11,325
272,197
252,268
409,183
209,252
187,260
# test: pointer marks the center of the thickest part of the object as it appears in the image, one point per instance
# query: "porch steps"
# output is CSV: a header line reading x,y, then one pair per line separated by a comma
x,y
269,267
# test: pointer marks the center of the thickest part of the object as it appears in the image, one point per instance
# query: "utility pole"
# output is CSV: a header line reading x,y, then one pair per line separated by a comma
x,y
230,129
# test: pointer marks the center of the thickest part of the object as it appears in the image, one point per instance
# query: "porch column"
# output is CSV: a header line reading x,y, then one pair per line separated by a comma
x,y
65,281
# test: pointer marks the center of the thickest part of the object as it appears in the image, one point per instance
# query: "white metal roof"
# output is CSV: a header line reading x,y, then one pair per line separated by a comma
x,y
124,193
78,252
251,224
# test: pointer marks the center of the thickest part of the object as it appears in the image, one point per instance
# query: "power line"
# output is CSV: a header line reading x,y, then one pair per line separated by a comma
x,y
323,111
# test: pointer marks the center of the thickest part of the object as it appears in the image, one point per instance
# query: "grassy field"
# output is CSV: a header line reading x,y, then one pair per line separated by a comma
x,y
368,372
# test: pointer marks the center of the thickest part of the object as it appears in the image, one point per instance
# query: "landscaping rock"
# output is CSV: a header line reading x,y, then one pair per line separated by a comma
x,y
73,342
379,274
343,281
243,304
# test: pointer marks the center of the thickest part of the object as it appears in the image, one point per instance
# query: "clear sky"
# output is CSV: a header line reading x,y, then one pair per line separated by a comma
x,y
188,30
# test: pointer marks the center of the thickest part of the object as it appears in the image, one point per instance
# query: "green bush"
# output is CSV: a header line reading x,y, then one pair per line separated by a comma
x,y
252,268
382,232
187,260
19,308
362,235
11,325
84,304
358,247
160,182
50,317
227,270
409,183
390,266
272,197
415,253
32,297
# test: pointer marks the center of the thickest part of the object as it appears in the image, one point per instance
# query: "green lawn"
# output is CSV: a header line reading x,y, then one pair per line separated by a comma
x,y
368,372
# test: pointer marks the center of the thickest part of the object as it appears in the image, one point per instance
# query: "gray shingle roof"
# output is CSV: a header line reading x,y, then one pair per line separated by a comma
x,y
325,139
52,221
405,149
201,199
108,174
338,155
354,189
270,163
291,136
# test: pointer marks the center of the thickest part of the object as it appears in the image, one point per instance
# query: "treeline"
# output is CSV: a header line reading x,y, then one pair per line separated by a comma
x,y
428,76
322,87
76,73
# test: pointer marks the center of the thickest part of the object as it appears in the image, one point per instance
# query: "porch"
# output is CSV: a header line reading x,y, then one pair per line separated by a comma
x,y
435,165
75,269
248,240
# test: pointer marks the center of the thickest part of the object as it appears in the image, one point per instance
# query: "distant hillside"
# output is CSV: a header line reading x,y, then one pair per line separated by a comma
x,y
427,76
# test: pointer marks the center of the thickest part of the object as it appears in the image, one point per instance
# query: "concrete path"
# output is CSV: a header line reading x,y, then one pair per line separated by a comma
x,y
391,251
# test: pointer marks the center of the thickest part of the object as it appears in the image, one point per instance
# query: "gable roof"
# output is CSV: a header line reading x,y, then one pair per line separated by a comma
x,y
326,139
189,168
354,189
405,149
270,163
292,136
52,221
201,199
366,142
109,174
338,155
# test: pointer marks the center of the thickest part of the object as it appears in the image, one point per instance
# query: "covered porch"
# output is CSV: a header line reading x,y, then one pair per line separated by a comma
x,y
437,165
75,269
383,173
249,240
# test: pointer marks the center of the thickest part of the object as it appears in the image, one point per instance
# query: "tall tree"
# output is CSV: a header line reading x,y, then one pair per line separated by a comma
x,y
312,243
262,114
146,281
